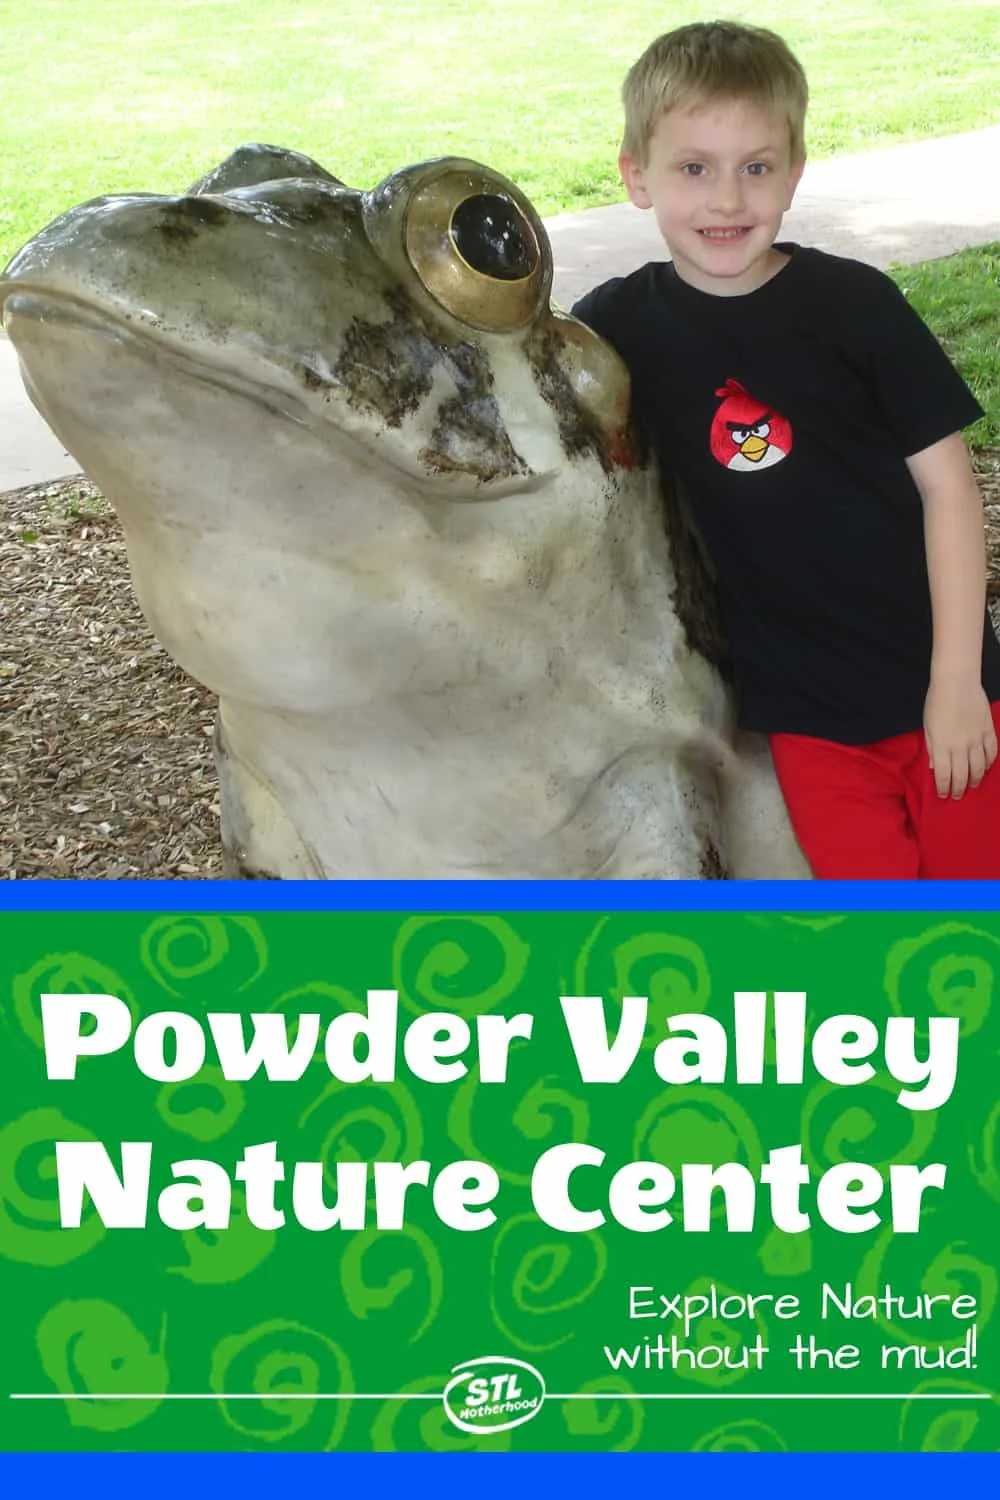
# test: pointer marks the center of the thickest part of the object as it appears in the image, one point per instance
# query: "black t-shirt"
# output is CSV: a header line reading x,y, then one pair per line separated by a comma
x,y
786,416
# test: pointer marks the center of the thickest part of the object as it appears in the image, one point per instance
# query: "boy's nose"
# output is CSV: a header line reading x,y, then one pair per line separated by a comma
x,y
726,193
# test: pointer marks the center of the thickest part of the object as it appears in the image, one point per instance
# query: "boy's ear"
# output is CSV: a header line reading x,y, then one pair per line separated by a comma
x,y
794,178
634,179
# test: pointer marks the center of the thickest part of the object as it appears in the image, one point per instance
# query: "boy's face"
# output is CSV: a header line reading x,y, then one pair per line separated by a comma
x,y
719,178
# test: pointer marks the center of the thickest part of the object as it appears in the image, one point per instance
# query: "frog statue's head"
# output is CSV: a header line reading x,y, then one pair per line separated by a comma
x,y
383,499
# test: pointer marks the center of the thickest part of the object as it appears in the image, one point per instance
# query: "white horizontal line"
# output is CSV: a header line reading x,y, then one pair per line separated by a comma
x,y
226,1396
550,1396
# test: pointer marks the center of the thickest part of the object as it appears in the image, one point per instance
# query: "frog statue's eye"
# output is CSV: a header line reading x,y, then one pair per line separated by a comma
x,y
477,250
492,237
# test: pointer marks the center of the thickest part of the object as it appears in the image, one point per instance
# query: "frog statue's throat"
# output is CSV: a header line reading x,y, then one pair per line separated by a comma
x,y
383,500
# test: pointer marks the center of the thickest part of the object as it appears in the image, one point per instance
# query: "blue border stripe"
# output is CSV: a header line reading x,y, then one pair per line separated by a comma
x,y
497,895
580,1474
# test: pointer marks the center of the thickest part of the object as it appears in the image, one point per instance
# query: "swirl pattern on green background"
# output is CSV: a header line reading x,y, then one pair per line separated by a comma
x,y
276,1314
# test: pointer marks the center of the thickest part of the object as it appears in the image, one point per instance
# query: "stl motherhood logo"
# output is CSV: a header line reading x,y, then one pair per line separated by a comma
x,y
493,1394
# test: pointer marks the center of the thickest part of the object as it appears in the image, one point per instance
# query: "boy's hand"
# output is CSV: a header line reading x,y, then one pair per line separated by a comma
x,y
961,739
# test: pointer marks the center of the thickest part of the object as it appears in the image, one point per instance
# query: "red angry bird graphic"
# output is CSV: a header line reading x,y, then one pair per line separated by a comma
x,y
746,434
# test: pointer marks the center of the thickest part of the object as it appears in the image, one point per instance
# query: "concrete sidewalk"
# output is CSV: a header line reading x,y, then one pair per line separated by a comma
x,y
904,203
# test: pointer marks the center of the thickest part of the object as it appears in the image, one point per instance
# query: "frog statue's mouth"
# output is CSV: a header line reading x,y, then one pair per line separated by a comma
x,y
378,319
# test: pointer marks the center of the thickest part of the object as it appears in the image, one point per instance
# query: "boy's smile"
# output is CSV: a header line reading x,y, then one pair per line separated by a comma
x,y
719,178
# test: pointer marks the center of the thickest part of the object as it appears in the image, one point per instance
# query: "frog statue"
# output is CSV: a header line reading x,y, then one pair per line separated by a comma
x,y
384,500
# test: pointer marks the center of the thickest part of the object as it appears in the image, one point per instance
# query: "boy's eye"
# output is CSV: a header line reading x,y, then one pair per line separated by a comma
x,y
757,168
692,169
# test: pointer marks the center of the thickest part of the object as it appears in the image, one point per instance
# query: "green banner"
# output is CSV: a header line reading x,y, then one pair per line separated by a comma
x,y
526,1181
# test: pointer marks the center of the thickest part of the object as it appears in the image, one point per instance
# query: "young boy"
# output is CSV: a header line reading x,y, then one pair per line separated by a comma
x,y
814,427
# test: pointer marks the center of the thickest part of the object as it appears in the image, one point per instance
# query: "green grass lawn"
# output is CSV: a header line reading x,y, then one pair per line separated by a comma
x,y
959,298
118,95
144,95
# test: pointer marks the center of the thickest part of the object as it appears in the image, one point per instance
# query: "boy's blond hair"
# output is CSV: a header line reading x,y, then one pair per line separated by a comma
x,y
712,60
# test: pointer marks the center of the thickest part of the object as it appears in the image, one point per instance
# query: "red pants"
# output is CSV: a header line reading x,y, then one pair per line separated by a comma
x,y
872,812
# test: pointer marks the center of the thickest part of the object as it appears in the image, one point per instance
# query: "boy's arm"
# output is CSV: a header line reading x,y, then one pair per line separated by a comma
x,y
958,724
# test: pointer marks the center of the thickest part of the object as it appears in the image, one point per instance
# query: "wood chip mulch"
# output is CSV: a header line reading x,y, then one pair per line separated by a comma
x,y
106,768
